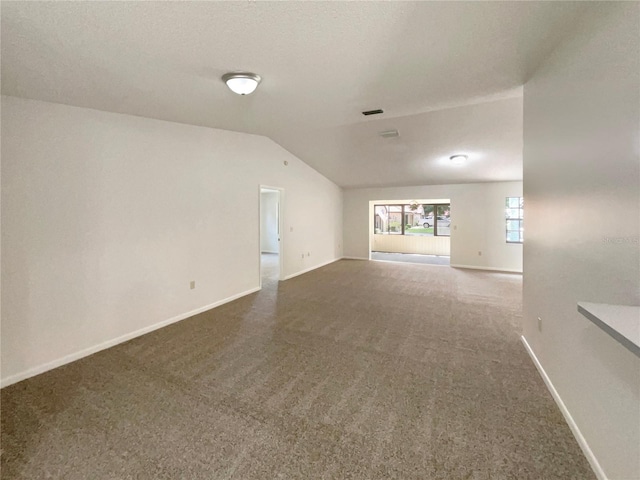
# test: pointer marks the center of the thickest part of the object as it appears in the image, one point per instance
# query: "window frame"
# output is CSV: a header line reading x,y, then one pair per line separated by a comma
x,y
404,212
519,218
389,212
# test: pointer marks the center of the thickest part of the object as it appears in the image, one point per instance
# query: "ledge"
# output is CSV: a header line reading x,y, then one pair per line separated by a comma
x,y
622,322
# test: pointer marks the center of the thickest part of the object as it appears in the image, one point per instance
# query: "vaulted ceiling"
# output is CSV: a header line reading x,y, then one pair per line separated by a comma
x,y
448,75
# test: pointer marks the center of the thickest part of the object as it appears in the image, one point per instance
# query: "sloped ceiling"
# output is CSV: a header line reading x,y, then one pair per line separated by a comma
x,y
447,74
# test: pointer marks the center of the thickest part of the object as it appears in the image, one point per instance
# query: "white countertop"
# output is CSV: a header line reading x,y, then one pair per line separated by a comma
x,y
622,322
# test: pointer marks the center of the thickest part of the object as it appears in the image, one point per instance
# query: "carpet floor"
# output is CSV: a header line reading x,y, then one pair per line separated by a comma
x,y
357,370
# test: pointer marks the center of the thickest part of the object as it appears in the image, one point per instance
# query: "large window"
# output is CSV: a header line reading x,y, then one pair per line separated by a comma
x,y
514,219
412,219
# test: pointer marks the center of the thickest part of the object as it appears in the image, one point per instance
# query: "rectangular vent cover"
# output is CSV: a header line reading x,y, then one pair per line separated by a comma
x,y
372,112
389,133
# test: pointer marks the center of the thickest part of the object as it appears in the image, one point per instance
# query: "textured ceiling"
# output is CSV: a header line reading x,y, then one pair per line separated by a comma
x,y
354,155
322,63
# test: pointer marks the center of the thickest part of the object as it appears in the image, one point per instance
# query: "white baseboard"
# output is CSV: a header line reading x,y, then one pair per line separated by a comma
x,y
354,258
310,269
492,269
593,461
72,357
269,251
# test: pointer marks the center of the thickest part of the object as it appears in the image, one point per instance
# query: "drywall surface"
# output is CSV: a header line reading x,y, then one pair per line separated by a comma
x,y
269,222
420,244
107,218
477,221
582,209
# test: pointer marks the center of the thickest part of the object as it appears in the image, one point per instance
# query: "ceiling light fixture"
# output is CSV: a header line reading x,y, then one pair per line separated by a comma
x,y
242,83
458,159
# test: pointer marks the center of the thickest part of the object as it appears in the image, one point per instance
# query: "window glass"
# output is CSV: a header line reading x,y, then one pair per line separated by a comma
x,y
412,219
388,219
514,213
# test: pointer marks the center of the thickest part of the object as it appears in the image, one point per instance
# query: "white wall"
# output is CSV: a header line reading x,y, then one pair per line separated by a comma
x,y
106,218
477,214
269,222
582,207
420,244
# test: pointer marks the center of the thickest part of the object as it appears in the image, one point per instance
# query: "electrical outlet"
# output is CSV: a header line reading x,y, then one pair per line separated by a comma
x,y
479,253
308,254
192,284
539,324
303,255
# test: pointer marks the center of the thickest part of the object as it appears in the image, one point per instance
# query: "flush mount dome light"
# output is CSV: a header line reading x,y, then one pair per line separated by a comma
x,y
242,83
458,159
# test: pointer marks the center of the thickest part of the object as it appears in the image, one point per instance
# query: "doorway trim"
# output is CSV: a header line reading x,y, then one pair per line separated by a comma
x,y
281,224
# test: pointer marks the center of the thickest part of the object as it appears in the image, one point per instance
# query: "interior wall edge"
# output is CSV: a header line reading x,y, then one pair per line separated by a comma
x,y
307,270
582,442
85,352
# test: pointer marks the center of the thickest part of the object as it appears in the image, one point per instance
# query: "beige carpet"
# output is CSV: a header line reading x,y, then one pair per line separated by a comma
x,y
359,370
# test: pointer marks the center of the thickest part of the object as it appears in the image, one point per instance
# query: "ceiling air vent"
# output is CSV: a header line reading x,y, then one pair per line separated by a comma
x,y
389,134
372,112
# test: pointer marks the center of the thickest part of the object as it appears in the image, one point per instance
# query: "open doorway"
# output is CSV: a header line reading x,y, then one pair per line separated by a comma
x,y
270,234
413,231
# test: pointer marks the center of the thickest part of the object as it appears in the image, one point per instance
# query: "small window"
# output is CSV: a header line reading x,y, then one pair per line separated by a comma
x,y
514,213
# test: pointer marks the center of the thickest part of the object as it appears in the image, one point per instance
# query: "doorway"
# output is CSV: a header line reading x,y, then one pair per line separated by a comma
x,y
412,231
270,234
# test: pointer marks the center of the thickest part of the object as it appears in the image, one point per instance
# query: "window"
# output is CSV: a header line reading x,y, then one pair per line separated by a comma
x,y
412,219
388,219
514,213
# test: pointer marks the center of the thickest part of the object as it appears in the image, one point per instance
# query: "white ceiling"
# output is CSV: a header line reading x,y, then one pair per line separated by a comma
x,y
322,64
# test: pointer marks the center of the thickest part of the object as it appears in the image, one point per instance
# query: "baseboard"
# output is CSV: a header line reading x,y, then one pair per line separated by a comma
x,y
310,269
491,269
593,461
32,372
269,251
354,258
